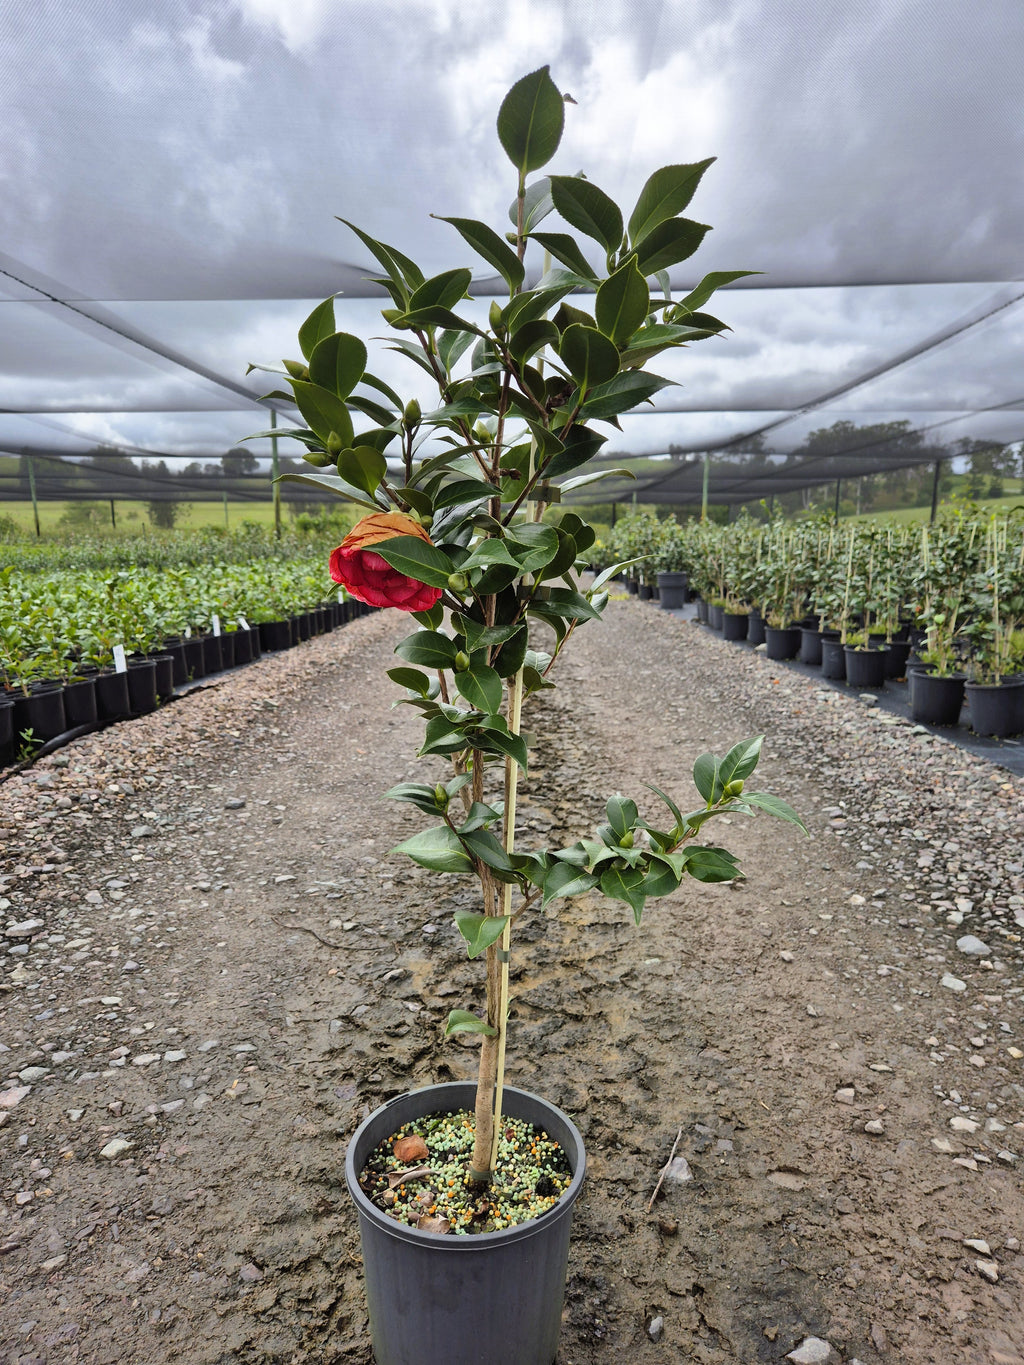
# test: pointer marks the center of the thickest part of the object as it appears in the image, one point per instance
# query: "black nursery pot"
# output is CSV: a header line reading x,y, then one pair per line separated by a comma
x,y
112,696
80,702
213,659
175,651
833,659
194,658
142,686
42,711
810,646
702,611
164,664
735,625
300,626
6,730
896,658
715,614
781,642
491,1299
644,592
275,634
227,650
996,709
672,590
865,667
241,644
755,627
935,700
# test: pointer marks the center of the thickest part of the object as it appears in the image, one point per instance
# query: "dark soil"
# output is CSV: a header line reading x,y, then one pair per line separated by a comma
x,y
229,988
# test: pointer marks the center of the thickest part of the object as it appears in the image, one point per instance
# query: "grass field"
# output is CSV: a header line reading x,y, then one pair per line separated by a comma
x,y
132,518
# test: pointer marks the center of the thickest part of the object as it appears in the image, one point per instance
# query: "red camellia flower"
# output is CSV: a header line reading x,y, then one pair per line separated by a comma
x,y
369,576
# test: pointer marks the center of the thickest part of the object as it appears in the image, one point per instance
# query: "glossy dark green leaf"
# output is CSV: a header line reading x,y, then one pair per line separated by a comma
x,y
318,325
481,687
483,844
479,816
510,657
512,746
711,864
588,355
330,483
531,337
362,466
530,121
461,1021
427,647
715,280
417,560
622,303
486,243
581,480
435,315
625,884
462,492
581,445
533,545
412,679
536,205
323,412
669,243
705,777
337,363
622,814
563,879
479,931
660,880
417,794
441,291
567,250
622,393
739,762
573,606
437,849
451,346
670,803
774,805
404,274
666,193
588,209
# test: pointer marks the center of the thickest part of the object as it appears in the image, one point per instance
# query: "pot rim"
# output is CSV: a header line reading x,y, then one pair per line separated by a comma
x,y
480,1240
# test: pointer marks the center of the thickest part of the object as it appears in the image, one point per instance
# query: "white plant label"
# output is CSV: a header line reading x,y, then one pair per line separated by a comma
x,y
216,624
341,596
243,623
188,632
120,662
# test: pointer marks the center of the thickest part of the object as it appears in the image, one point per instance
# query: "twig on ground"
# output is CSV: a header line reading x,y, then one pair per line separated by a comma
x,y
664,1170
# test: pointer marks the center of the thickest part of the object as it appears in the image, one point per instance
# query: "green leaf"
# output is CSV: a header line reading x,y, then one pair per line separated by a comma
x,y
622,814
511,746
486,243
323,411
667,192
486,847
573,606
711,864
337,364
463,491
588,209
512,653
481,687
567,250
434,315
430,619
581,480
588,355
623,393
479,931
715,280
660,880
417,794
530,121
536,205
441,291
363,467
404,274
427,647
565,880
437,849
669,243
739,762
531,337
581,445
774,805
461,1021
533,545
625,884
318,325
417,560
451,345
479,816
412,679
622,303
705,777
668,802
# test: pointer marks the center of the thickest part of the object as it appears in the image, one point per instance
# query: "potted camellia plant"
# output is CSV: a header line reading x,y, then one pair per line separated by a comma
x,y
464,1192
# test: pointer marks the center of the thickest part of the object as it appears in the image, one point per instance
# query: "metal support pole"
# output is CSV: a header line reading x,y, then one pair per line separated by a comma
x,y
704,490
274,474
225,510
32,488
113,515
935,490
839,484
614,506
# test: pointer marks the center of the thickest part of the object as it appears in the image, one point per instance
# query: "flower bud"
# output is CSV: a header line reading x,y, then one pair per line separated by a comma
x,y
733,788
413,413
335,445
440,796
296,369
458,582
461,661
495,319
627,839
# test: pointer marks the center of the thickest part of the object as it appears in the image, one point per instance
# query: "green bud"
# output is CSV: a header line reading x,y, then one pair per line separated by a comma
x,y
458,582
495,319
627,839
461,661
733,788
413,413
319,458
296,369
391,315
440,795
335,445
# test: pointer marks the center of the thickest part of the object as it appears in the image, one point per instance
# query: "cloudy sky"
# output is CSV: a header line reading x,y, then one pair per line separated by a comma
x,y
172,171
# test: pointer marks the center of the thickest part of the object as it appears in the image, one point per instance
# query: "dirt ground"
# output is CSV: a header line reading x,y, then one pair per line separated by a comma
x,y
223,973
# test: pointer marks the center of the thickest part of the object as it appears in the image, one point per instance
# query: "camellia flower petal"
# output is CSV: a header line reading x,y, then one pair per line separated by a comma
x,y
368,576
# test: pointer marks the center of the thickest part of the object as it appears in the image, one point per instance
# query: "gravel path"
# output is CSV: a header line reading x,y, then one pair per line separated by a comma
x,y
210,972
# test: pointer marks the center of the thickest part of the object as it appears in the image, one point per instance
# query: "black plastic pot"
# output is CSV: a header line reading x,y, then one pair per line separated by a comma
x,y
996,709
213,659
672,587
41,711
164,675
227,650
865,667
755,627
112,696
275,634
175,651
810,646
735,625
781,642
80,702
142,686
495,1298
935,700
833,659
896,657
714,616
300,626
254,641
241,643
632,586
702,611
6,730
194,658
644,592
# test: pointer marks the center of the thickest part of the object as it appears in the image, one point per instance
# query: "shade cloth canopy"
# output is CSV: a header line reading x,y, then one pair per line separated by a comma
x,y
173,172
